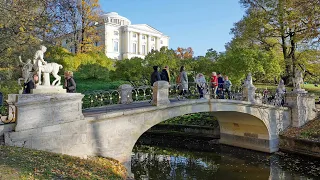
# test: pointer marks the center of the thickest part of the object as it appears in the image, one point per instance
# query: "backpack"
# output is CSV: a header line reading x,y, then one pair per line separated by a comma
x,y
178,80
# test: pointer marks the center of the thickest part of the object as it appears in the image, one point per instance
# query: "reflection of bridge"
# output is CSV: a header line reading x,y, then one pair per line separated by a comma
x,y
57,123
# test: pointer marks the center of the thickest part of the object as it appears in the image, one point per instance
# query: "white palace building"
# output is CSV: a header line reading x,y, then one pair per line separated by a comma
x,y
123,40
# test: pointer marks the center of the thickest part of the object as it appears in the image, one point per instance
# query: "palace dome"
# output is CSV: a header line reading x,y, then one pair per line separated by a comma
x,y
115,18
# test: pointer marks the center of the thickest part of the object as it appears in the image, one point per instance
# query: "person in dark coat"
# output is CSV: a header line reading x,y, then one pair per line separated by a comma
x,y
220,85
165,74
31,84
155,76
69,82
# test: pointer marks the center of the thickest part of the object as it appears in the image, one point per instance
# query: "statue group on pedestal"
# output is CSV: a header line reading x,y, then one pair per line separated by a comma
x,y
40,68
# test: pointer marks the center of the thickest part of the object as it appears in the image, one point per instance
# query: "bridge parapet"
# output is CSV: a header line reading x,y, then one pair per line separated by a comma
x,y
302,106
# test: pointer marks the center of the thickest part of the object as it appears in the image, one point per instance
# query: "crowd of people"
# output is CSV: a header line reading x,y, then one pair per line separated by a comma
x,y
219,85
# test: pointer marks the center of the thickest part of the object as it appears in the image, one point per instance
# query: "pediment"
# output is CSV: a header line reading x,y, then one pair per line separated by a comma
x,y
145,27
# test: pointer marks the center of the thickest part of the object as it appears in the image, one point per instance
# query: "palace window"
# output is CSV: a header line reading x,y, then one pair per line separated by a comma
x,y
115,46
134,48
161,42
134,35
152,39
116,33
143,49
143,37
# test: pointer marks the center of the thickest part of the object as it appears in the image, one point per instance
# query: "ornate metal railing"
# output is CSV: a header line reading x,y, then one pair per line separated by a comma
x,y
271,97
100,98
144,93
111,97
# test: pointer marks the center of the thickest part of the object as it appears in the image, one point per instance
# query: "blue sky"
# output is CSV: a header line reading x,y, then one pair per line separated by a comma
x,y
200,24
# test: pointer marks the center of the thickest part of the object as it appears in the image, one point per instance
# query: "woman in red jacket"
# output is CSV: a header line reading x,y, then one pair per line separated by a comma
x,y
214,84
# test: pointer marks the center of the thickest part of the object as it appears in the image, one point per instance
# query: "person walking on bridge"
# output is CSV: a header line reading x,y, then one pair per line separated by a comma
x,y
201,84
214,84
183,81
155,76
165,75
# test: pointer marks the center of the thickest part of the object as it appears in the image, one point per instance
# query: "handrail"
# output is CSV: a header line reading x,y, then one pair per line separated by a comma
x,y
145,92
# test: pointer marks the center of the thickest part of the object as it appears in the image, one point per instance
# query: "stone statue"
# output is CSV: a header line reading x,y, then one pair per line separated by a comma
x,y
281,89
38,61
53,68
42,66
248,81
280,92
298,79
27,71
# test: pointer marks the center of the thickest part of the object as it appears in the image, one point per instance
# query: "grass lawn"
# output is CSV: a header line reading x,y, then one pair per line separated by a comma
x,y
93,85
20,163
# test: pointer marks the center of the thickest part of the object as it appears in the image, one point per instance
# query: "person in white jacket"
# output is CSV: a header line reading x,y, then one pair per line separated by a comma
x,y
201,84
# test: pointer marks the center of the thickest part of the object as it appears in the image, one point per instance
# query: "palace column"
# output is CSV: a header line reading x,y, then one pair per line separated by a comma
x,y
149,43
139,44
158,44
128,41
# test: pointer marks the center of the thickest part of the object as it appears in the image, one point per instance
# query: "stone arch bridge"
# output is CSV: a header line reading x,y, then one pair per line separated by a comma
x,y
56,122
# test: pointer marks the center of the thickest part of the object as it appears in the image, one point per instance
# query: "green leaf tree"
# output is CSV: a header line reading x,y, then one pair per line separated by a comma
x,y
292,23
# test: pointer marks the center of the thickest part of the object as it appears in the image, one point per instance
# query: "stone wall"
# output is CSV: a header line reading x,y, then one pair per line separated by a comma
x,y
300,146
302,106
5,128
49,122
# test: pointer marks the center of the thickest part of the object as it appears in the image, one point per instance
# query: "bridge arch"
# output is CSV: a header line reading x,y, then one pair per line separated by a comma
x,y
242,124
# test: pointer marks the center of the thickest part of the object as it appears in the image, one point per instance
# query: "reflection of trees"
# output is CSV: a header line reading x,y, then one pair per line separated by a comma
x,y
157,166
222,163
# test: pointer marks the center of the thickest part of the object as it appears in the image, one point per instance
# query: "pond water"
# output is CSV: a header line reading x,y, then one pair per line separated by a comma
x,y
220,162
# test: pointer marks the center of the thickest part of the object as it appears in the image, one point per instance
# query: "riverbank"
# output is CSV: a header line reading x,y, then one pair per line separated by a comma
x,y
21,163
304,140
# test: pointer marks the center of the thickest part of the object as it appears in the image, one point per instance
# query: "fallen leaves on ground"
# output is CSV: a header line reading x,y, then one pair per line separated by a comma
x,y
310,131
19,163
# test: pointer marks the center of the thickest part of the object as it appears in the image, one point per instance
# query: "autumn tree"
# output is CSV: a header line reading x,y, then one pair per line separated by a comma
x,y
184,53
80,19
292,23
22,24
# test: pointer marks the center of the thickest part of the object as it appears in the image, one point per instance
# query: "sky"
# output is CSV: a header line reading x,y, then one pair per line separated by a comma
x,y
200,24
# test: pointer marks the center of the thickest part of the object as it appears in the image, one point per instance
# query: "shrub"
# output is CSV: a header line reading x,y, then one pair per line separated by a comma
x,y
92,71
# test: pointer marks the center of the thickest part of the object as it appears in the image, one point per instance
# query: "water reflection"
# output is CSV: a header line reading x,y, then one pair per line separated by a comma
x,y
224,162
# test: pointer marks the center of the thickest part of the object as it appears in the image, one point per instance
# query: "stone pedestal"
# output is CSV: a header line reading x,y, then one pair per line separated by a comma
x,y
41,110
160,94
46,79
42,89
125,93
248,93
302,105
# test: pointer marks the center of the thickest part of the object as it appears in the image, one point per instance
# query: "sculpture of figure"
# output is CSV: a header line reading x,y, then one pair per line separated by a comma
x,y
26,71
298,79
38,61
280,92
42,66
248,81
53,68
281,89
